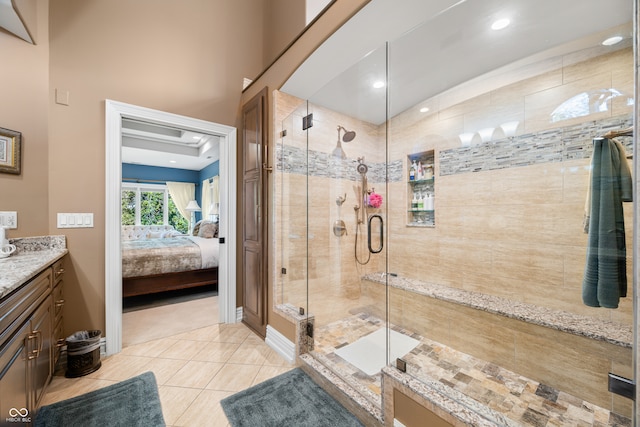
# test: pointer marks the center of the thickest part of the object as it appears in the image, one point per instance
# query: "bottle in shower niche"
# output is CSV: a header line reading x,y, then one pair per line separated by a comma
x,y
420,203
420,171
412,171
429,202
414,202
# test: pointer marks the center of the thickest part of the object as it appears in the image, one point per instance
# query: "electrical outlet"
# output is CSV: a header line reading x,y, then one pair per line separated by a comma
x,y
9,219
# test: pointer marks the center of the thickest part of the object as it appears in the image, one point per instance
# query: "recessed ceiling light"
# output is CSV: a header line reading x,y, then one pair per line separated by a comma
x,y
196,137
612,40
172,161
500,24
424,109
378,84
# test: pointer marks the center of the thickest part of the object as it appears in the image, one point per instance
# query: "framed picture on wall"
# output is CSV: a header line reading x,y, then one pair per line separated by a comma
x,y
10,151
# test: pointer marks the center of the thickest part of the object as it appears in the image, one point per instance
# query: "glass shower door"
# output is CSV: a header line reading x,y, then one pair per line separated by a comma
x,y
347,202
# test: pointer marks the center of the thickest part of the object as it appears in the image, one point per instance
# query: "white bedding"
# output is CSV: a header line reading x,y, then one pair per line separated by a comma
x,y
209,250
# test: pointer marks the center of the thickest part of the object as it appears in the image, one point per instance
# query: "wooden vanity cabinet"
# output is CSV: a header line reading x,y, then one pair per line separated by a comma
x,y
29,319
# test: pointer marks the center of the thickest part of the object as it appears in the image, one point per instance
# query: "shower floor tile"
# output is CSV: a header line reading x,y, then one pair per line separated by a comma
x,y
522,400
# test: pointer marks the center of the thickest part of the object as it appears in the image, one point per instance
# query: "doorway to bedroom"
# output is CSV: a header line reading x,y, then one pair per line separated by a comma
x,y
152,209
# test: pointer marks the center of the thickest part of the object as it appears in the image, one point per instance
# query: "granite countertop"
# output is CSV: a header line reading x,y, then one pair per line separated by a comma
x,y
32,256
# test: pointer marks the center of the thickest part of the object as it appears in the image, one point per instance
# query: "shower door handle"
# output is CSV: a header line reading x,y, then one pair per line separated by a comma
x,y
371,218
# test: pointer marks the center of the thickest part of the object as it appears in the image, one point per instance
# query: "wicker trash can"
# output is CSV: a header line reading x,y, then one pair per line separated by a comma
x,y
83,353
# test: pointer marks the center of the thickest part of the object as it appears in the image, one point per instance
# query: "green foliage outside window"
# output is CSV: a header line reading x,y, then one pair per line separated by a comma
x,y
151,210
128,207
179,222
151,207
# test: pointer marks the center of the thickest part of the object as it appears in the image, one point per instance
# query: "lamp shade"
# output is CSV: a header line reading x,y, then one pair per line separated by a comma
x,y
192,206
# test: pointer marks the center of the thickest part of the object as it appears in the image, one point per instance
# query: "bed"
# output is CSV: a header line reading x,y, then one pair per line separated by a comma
x,y
159,259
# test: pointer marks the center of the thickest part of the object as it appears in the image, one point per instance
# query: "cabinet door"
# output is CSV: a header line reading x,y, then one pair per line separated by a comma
x,y
40,349
14,395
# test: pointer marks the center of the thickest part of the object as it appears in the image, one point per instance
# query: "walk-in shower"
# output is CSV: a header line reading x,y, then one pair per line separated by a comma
x,y
492,291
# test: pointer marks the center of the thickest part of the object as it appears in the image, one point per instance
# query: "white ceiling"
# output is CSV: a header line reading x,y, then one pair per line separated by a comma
x,y
156,145
439,44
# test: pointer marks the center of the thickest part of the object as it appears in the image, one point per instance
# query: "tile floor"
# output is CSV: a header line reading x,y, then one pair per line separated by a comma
x,y
194,371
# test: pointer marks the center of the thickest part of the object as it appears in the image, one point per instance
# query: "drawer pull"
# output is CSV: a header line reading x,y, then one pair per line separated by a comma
x,y
59,272
60,303
35,352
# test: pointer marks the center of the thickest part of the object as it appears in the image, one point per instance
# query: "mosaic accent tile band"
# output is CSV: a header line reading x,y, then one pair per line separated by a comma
x,y
555,145
295,160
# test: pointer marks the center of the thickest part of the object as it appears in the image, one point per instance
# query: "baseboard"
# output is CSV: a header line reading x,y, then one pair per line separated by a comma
x,y
238,314
280,344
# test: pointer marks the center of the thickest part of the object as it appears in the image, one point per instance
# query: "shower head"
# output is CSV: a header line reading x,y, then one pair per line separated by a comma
x,y
348,136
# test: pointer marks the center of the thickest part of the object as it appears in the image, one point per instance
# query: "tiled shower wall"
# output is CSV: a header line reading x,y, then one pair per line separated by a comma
x,y
509,212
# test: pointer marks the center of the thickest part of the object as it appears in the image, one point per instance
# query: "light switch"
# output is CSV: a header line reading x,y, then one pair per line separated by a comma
x,y
75,220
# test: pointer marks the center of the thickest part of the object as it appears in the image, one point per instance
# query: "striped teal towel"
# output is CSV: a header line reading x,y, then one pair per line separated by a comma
x,y
605,275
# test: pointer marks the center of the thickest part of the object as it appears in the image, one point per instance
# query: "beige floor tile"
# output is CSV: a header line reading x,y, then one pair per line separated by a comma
x,y
216,352
205,411
164,321
183,349
268,372
175,401
120,367
251,354
164,369
208,333
274,359
195,374
234,377
149,349
234,333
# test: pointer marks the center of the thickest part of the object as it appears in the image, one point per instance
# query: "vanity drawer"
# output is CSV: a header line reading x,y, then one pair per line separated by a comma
x,y
58,271
58,303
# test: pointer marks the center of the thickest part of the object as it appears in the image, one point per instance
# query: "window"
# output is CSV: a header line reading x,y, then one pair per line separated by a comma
x,y
149,204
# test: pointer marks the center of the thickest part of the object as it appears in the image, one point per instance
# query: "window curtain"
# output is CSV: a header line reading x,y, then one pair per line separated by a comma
x,y
210,197
206,199
215,195
182,193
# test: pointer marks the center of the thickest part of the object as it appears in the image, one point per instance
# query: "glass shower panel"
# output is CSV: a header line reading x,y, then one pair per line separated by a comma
x,y
347,213
291,211
488,219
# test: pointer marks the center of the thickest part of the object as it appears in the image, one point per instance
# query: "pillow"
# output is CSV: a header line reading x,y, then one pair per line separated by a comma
x,y
208,230
170,233
196,228
154,234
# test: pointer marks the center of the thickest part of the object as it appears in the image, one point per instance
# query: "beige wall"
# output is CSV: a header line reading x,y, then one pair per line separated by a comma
x,y
284,20
185,57
25,109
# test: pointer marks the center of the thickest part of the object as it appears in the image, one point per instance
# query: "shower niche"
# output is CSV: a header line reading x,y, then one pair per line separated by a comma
x,y
421,189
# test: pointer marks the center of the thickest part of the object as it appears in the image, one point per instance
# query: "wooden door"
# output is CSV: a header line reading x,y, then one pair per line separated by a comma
x,y
254,277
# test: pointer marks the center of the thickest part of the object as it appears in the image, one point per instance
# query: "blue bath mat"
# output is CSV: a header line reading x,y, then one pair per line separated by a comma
x,y
133,402
290,399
